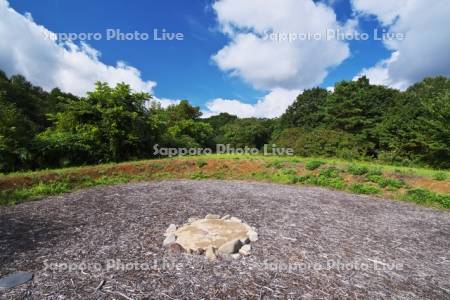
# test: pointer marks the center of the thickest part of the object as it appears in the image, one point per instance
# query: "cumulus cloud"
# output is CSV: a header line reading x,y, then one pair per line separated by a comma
x,y
267,64
271,105
424,51
73,68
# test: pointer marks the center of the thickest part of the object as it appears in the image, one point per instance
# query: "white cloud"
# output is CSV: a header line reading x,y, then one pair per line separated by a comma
x,y
25,50
272,105
266,64
424,51
165,102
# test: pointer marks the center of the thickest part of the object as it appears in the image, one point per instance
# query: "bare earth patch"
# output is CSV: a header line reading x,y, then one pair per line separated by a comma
x,y
106,243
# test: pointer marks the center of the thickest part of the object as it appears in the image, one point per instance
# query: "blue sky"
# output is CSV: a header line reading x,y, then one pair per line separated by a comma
x,y
190,69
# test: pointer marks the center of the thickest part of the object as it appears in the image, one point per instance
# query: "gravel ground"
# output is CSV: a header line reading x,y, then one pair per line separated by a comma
x,y
106,243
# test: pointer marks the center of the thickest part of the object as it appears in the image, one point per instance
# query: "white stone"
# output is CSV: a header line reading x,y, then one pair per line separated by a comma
x,y
210,253
234,219
230,247
225,217
253,236
245,250
235,256
171,238
171,229
211,216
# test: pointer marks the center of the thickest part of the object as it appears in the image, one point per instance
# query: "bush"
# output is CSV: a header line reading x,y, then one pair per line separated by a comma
x,y
313,164
424,196
386,182
362,188
440,176
357,170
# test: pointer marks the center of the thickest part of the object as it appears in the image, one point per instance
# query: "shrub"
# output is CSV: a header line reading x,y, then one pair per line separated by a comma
x,y
362,188
424,196
330,172
357,170
440,176
386,182
313,164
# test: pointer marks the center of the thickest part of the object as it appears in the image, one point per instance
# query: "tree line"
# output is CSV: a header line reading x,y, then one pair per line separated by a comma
x,y
40,129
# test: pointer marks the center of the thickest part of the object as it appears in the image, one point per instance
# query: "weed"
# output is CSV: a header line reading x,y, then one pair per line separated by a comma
x,y
313,164
201,163
198,175
330,172
424,196
440,176
361,188
357,170
277,164
386,182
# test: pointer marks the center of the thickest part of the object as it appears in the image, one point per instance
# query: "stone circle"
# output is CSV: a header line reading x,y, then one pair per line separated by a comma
x,y
211,236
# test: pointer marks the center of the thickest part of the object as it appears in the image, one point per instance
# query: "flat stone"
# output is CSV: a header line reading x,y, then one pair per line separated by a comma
x,y
211,216
15,279
230,247
171,238
253,236
245,250
215,232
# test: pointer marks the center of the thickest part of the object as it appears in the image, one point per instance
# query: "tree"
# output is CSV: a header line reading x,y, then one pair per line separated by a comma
x,y
307,111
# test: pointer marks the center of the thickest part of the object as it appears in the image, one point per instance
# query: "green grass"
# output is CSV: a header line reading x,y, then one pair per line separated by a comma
x,y
379,179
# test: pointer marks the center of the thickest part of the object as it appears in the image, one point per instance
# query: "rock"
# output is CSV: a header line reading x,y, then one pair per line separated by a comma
x,y
211,216
233,219
245,250
236,256
15,279
171,229
225,217
253,236
230,247
245,240
210,253
171,238
175,248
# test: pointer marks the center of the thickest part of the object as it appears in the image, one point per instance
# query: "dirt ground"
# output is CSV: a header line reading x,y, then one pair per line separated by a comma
x,y
106,243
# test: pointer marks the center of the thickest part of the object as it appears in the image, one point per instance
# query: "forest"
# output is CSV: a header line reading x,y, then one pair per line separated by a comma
x,y
357,120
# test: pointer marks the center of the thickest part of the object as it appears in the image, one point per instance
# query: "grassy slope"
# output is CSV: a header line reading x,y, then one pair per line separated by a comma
x,y
424,186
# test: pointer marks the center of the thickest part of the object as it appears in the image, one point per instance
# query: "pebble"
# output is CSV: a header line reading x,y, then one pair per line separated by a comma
x,y
245,250
253,236
171,238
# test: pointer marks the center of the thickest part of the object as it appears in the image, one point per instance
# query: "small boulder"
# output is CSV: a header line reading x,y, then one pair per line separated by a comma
x,y
210,253
175,249
245,250
171,229
230,247
253,236
171,238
